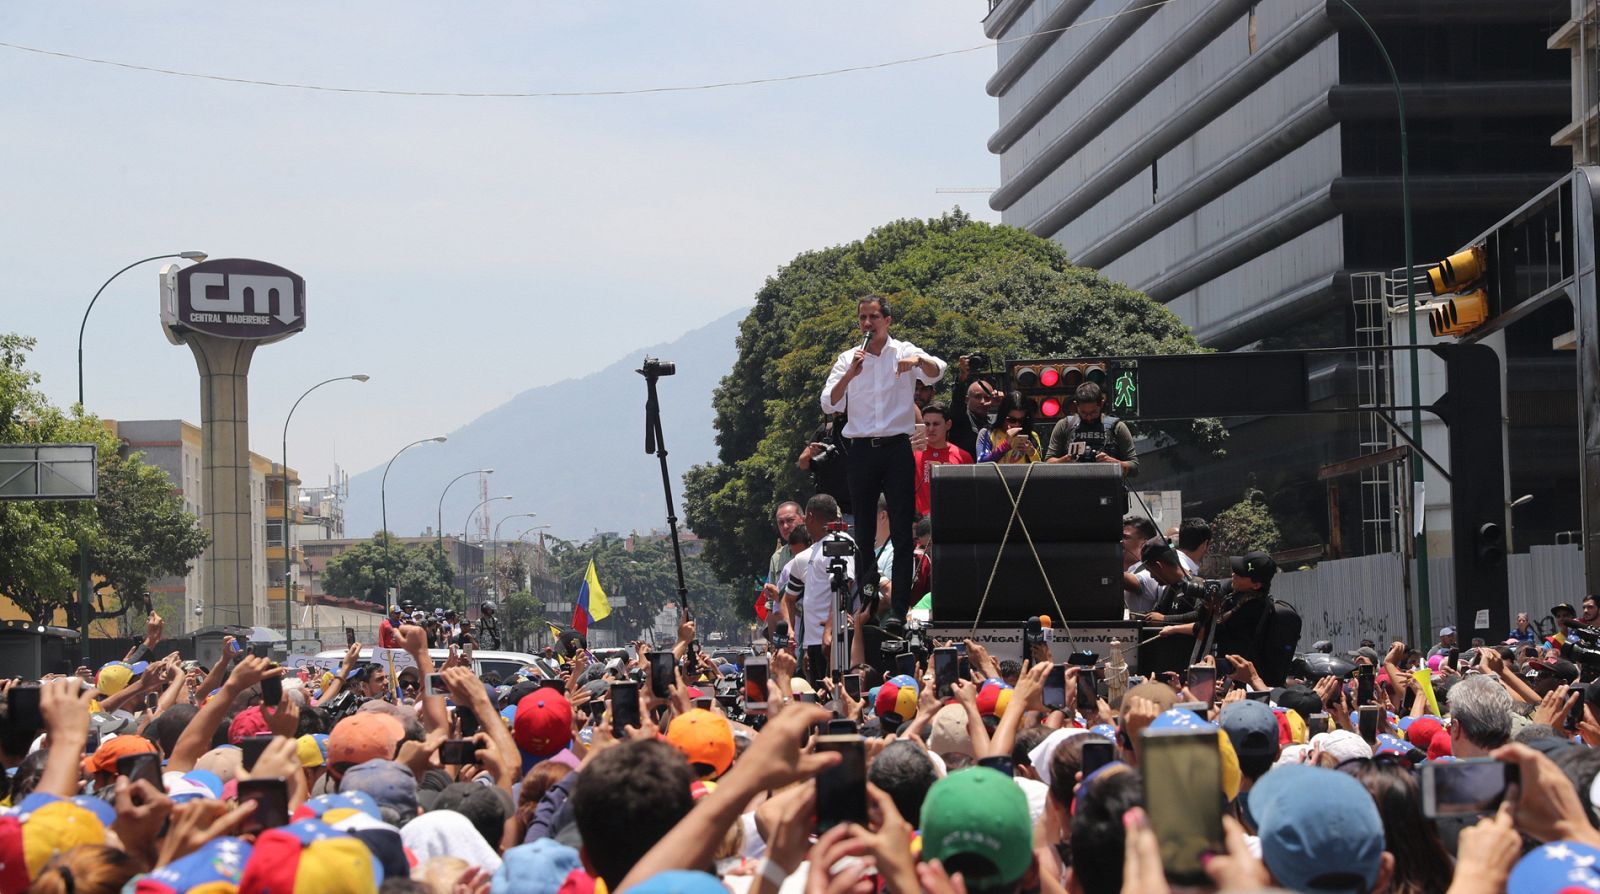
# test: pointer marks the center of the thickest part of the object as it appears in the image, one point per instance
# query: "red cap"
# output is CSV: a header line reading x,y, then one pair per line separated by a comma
x,y
543,724
248,722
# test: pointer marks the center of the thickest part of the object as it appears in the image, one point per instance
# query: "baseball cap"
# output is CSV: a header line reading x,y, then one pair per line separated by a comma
x,y
898,696
216,866
1251,727
248,722
949,734
543,723
1557,866
1366,652
336,807
1556,667
1447,631
308,856
312,749
979,812
1256,565
1342,744
390,783
394,609
113,678
1319,829
104,759
994,696
363,736
536,868
1158,550
704,737
679,881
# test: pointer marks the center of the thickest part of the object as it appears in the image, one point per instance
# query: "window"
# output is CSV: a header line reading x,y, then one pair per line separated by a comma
x,y
274,532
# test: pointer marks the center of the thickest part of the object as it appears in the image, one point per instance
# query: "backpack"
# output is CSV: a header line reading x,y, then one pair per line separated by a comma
x,y
1276,638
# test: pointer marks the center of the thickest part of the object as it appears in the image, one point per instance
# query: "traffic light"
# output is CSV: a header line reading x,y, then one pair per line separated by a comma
x,y
1050,385
1461,310
1491,542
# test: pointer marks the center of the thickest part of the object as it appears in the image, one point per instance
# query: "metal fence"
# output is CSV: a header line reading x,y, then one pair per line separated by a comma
x,y
1348,600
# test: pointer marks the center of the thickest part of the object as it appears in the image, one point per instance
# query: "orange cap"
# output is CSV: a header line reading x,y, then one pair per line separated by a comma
x,y
704,737
104,759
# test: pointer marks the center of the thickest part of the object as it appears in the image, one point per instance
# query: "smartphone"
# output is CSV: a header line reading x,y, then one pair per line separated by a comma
x,y
963,668
91,742
961,648
456,752
663,673
852,686
704,702
1364,684
946,671
842,788
272,691
906,663
1183,797
272,803
998,762
1097,754
349,636
1367,722
842,728
261,650
146,766
1262,696
1203,682
469,721
755,684
1466,787
1055,687
1087,693
809,698
1316,723
1575,716
235,647
435,685
22,708
252,746
555,683
624,708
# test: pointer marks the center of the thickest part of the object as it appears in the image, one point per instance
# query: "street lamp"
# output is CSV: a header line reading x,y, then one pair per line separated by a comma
x,y
195,256
466,524
447,490
494,547
383,498
288,543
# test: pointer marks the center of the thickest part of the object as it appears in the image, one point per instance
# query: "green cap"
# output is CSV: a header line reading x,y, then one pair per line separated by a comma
x,y
983,812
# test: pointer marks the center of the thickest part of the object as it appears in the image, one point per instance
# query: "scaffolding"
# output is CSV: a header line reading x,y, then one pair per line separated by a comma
x,y
1370,296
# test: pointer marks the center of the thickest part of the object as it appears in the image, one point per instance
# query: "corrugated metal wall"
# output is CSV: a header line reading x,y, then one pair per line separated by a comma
x,y
1349,600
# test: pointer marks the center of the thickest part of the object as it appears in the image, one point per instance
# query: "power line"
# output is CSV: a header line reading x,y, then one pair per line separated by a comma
x,y
538,94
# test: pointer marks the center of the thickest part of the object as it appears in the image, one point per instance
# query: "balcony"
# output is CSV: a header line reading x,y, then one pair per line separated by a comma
x,y
275,511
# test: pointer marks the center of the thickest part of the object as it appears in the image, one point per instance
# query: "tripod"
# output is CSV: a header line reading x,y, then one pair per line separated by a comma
x,y
652,370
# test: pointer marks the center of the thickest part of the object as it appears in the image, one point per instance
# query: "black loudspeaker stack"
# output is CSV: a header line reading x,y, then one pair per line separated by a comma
x,y
1073,512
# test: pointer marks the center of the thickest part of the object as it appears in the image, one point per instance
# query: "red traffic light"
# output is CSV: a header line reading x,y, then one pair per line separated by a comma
x,y
1050,408
1049,377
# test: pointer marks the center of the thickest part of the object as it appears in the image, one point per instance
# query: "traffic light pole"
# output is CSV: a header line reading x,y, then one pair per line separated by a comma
x,y
1419,540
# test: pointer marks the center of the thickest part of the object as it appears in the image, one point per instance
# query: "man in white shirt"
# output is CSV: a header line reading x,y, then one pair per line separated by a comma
x,y
809,602
1194,541
874,385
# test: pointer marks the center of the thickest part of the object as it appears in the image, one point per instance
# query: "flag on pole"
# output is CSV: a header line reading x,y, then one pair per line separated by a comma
x,y
555,632
761,599
591,604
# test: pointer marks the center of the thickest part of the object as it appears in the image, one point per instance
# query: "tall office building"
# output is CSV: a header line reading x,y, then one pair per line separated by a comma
x,y
1239,161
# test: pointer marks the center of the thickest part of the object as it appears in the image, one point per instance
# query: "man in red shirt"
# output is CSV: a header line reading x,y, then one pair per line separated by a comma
x,y
387,637
940,451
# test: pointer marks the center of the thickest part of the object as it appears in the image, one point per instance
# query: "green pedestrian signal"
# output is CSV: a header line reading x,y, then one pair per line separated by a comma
x,y
1125,393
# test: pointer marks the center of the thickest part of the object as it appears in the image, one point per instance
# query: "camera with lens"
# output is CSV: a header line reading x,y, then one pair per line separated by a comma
x,y
347,702
654,367
913,639
977,361
829,452
1206,594
1583,649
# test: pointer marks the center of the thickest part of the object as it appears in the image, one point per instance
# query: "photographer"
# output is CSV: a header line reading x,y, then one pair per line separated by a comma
x,y
1155,590
811,598
1236,610
1090,436
976,400
827,457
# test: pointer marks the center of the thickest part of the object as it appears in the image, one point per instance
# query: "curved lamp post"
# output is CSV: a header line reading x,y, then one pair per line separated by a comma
x,y
196,256
383,498
446,491
288,543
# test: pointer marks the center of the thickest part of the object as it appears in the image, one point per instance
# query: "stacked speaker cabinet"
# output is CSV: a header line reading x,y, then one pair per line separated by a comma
x,y
1073,513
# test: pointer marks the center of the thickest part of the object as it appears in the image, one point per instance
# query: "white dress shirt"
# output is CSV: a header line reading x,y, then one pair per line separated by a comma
x,y
879,401
812,587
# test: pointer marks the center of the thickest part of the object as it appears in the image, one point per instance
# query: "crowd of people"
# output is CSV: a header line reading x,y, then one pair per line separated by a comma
x,y
160,776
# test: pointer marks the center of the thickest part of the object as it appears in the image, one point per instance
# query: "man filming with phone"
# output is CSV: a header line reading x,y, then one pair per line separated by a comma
x,y
874,386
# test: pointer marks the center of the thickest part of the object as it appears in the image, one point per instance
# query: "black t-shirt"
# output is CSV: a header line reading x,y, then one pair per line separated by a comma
x,y
831,474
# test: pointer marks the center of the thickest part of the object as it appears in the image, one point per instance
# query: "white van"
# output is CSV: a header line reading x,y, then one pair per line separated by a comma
x,y
506,664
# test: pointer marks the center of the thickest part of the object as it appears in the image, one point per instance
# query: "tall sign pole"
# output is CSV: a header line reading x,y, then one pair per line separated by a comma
x,y
224,309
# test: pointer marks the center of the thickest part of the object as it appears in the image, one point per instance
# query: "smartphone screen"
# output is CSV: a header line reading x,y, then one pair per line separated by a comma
x,y
349,636
842,728
624,708
272,691
1087,694
842,788
1575,715
1316,723
252,746
456,752
272,803
704,702
945,672
1364,684
469,721
1262,696
852,686
145,766
1055,687
999,763
436,685
1183,796
755,684
1469,787
1096,754
906,663
963,668
1368,722
261,650
22,708
91,742
662,673
1203,682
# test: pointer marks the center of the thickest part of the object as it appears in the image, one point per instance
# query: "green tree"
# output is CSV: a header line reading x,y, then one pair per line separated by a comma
x,y
135,530
522,619
647,577
957,286
422,575
1246,525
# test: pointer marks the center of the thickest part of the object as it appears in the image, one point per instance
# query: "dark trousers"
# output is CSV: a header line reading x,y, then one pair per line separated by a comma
x,y
888,468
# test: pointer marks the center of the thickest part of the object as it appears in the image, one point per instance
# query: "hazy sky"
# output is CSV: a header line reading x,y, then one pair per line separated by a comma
x,y
458,250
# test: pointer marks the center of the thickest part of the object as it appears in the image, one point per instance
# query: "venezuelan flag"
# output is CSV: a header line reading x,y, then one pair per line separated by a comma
x,y
591,604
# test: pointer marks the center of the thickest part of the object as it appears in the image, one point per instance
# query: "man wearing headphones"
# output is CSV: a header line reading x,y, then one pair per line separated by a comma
x,y
874,385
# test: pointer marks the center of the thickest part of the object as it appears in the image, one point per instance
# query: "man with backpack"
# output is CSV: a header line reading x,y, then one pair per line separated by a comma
x,y
1091,436
1246,620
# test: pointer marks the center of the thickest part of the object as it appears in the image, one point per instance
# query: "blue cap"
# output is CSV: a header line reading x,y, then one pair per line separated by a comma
x,y
219,862
390,783
1557,866
1319,829
1182,719
537,868
100,807
1252,728
139,667
678,881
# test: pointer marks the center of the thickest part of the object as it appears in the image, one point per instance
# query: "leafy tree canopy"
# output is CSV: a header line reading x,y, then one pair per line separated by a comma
x,y
419,574
647,577
957,286
1246,525
136,530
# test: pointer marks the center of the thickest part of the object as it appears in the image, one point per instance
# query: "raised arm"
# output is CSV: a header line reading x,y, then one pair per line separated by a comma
x,y
196,737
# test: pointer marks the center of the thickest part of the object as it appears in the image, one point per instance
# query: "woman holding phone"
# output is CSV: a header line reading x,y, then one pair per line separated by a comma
x,y
1011,438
